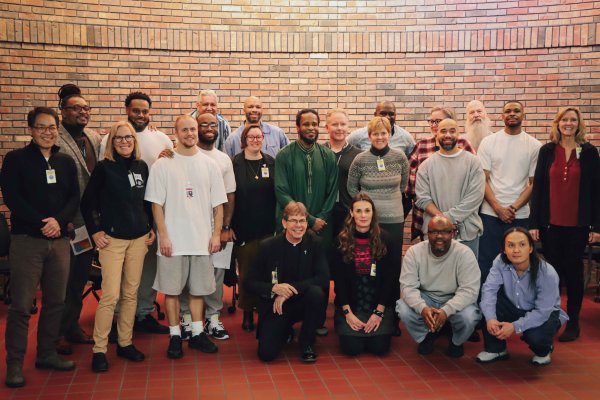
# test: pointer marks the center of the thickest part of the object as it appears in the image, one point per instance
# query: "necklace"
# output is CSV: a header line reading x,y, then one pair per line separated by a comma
x,y
255,172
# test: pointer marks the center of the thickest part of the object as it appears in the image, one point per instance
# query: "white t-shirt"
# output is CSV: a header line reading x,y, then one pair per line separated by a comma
x,y
511,161
151,144
226,167
188,188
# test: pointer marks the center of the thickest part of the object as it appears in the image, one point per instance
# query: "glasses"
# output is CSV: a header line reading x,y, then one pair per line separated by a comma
x,y
78,108
206,125
441,232
121,139
43,129
254,138
434,121
297,221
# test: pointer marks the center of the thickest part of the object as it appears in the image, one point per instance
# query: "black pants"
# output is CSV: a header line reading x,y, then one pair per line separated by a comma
x,y
539,338
353,345
563,248
396,236
79,274
273,329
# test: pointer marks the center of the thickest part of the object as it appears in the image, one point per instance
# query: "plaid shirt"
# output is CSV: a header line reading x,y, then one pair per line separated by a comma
x,y
423,149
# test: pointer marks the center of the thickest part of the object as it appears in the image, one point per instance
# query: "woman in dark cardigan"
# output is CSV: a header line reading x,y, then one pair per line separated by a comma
x,y
254,212
564,206
364,282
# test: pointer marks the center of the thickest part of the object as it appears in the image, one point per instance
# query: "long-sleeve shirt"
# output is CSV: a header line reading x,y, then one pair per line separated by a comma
x,y
539,299
455,185
274,140
452,279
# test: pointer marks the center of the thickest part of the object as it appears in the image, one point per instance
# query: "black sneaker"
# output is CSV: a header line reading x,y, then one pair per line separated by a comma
x,y
99,362
216,329
130,353
308,355
186,332
202,342
455,351
150,325
175,349
426,346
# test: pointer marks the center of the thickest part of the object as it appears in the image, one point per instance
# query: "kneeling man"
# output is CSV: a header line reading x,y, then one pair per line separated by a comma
x,y
289,275
439,282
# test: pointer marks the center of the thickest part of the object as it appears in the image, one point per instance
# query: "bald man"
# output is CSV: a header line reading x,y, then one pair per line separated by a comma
x,y
477,123
274,137
439,283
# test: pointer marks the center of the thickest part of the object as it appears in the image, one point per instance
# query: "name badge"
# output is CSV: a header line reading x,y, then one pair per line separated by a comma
x,y
50,176
274,279
264,171
380,165
373,269
189,192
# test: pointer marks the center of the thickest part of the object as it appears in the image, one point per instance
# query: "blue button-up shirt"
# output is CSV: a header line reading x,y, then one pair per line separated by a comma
x,y
400,140
275,139
538,301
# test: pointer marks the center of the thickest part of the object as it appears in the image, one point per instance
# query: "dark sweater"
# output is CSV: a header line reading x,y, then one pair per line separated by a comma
x,y
589,188
28,194
112,205
344,160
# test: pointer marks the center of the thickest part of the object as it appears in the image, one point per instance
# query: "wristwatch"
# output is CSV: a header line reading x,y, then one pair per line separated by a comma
x,y
346,311
225,227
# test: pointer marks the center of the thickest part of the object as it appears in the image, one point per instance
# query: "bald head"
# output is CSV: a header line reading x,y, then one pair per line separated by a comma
x,y
182,119
440,232
386,109
253,110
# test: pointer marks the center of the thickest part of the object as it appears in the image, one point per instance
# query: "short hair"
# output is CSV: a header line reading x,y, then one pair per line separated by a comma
x,y
66,92
208,92
448,112
33,114
375,122
335,111
244,137
183,116
555,134
137,96
513,101
300,113
294,208
109,151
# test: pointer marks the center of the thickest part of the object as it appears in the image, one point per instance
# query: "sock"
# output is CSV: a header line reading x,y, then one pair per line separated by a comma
x,y
197,328
187,318
175,330
214,319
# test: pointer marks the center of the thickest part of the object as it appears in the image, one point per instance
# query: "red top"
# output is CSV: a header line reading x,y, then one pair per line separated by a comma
x,y
564,188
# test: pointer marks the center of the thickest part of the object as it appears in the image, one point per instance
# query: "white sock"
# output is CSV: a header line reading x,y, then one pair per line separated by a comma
x,y
175,330
197,328
187,319
214,319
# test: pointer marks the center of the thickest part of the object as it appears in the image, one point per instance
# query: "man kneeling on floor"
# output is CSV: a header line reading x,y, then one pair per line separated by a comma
x,y
289,276
439,282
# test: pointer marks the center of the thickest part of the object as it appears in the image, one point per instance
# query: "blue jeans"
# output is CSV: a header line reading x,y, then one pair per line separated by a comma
x,y
473,244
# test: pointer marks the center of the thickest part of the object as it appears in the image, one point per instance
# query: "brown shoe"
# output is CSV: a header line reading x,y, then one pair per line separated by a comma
x,y
63,346
79,337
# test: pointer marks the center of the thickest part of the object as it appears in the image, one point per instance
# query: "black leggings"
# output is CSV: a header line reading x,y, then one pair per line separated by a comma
x,y
353,345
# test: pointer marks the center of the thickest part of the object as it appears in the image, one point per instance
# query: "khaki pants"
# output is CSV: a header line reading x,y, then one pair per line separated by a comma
x,y
122,262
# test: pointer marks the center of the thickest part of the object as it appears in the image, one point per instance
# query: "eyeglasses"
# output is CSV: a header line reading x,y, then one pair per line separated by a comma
x,y
121,139
434,121
297,221
441,232
43,129
254,138
77,108
206,125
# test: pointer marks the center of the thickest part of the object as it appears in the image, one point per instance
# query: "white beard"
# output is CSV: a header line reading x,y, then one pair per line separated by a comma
x,y
476,131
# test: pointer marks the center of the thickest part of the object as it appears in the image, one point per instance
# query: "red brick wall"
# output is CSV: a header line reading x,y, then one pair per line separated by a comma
x,y
294,54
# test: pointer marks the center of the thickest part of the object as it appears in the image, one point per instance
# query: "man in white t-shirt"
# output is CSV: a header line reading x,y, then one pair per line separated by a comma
x,y
138,107
207,136
508,157
187,193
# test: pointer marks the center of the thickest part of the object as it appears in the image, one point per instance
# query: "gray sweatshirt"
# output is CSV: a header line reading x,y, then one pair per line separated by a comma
x,y
452,279
454,184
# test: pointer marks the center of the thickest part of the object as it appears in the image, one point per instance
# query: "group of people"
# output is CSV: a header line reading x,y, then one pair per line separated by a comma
x,y
291,217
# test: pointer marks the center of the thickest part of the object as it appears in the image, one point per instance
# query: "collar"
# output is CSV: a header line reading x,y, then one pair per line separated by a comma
x,y
380,153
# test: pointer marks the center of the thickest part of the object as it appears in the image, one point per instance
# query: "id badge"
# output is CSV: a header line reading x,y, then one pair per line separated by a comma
x,y
373,269
264,172
50,176
274,280
380,165
189,192
131,180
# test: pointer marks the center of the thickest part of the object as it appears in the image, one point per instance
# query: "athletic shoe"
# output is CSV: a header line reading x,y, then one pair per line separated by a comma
x,y
216,329
202,342
487,357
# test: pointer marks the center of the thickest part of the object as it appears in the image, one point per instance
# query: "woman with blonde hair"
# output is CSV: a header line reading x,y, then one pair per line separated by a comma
x,y
120,223
564,206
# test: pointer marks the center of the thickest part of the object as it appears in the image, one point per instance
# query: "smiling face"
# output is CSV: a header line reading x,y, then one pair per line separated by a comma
x,y
295,227
569,124
447,134
517,249
186,131
308,131
386,109
44,131
439,233
207,104
337,127
254,140
138,114
379,137
253,110
76,112
512,115
362,213
434,120
208,128
124,142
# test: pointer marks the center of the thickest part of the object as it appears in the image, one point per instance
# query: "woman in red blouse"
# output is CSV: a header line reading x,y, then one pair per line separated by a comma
x,y
564,206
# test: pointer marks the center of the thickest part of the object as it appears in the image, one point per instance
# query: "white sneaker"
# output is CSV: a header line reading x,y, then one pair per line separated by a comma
x,y
216,329
487,357
544,360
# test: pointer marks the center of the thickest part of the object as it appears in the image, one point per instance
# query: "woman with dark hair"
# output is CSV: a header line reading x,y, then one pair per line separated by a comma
x,y
564,206
364,282
520,295
254,212
120,222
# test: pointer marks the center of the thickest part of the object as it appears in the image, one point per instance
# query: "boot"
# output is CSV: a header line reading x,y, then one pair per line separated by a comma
x,y
571,332
248,322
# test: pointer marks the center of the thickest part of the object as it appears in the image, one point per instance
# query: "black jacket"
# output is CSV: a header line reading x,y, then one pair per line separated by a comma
x,y
344,276
111,204
313,266
589,188
28,194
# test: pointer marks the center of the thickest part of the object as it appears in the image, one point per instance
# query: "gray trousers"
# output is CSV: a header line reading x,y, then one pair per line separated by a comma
x,y
36,261
213,303
463,322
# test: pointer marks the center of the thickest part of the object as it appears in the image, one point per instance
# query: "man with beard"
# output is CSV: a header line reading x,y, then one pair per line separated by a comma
x,y
207,136
82,146
208,102
439,283
477,124
187,193
509,158
451,183
138,108
274,138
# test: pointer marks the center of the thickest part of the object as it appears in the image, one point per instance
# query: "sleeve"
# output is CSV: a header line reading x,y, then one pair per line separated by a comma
x,y
546,293
472,199
229,146
218,195
331,182
229,177
284,140
156,190
410,144
413,166
409,281
536,191
68,212
102,148
90,201
404,171
256,281
282,189
354,174
168,142
489,290
535,151
353,139
468,278
484,154
594,175
466,145
422,187
226,131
